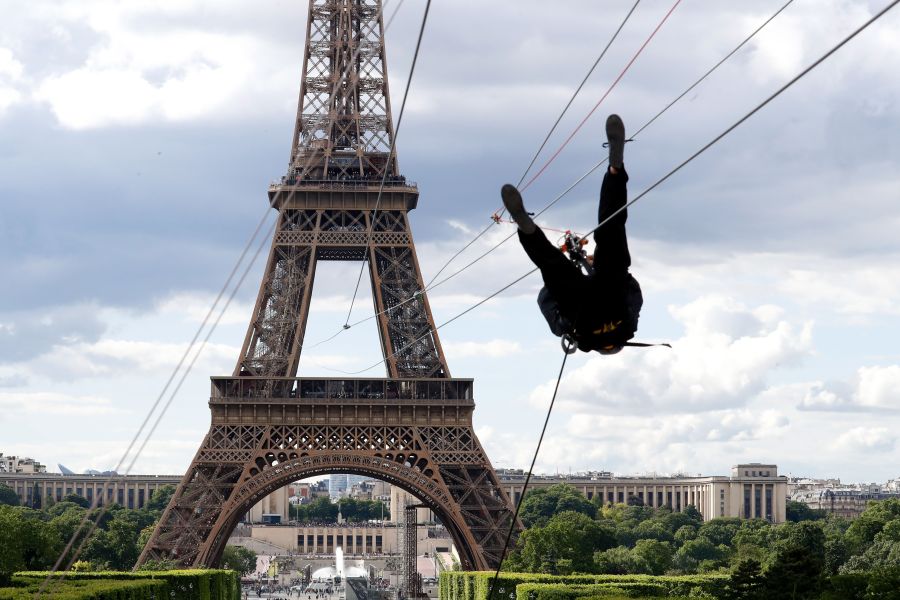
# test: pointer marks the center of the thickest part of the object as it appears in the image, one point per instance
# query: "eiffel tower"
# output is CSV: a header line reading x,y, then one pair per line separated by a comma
x,y
343,198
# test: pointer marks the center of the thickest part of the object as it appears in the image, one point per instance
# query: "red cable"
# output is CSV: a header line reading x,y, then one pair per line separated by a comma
x,y
622,74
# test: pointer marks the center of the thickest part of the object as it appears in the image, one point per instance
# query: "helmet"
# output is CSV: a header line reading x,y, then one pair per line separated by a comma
x,y
611,349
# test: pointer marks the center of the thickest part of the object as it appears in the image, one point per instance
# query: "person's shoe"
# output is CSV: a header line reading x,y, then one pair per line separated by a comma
x,y
615,137
512,200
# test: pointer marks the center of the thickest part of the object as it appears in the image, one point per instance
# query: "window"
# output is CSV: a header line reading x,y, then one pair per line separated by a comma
x,y
140,498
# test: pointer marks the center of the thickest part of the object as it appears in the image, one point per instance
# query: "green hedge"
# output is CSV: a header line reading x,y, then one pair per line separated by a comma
x,y
562,591
193,584
462,585
27,588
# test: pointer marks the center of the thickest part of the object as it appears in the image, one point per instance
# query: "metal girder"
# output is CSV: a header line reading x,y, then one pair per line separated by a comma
x,y
269,428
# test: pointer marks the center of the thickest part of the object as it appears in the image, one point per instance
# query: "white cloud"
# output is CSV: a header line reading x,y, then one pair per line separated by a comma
x,y
110,357
868,439
873,388
723,360
19,404
878,387
491,349
194,307
135,71
11,71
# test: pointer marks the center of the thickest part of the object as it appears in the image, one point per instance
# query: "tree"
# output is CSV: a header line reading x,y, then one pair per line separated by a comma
x,y
619,561
8,495
799,559
240,559
863,530
567,536
685,533
116,546
798,511
634,501
746,582
652,529
160,499
720,531
541,504
76,499
655,554
322,510
26,541
688,558
11,552
691,511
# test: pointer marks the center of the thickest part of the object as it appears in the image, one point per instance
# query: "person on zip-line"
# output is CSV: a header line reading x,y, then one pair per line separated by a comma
x,y
597,310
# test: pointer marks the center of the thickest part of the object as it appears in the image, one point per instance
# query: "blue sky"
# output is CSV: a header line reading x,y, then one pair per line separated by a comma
x,y
137,140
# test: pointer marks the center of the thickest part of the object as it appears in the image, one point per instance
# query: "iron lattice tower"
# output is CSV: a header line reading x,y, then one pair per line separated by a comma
x,y
343,198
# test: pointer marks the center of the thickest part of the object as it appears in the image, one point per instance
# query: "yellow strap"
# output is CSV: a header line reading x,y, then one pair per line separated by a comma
x,y
607,327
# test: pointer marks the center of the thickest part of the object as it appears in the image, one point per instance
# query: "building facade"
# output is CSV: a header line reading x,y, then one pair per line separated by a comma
x,y
752,491
130,491
20,464
847,502
362,540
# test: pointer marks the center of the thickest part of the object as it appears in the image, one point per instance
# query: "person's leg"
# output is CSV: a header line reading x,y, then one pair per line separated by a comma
x,y
556,269
611,254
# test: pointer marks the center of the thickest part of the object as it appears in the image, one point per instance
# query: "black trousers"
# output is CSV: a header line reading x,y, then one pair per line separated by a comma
x,y
582,299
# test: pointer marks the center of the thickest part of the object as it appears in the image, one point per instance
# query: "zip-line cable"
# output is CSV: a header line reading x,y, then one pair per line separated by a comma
x,y
184,376
737,123
665,177
348,325
537,450
575,94
412,70
603,161
546,139
602,98
112,478
431,285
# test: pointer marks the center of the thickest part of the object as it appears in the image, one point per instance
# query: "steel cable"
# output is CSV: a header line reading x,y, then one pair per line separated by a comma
x,y
537,450
431,285
719,137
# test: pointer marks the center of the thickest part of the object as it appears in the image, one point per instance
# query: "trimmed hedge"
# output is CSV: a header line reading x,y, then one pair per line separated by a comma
x,y
562,591
192,584
462,585
26,588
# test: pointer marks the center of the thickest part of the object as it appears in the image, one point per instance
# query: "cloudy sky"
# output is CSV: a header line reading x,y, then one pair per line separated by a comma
x,y
137,140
